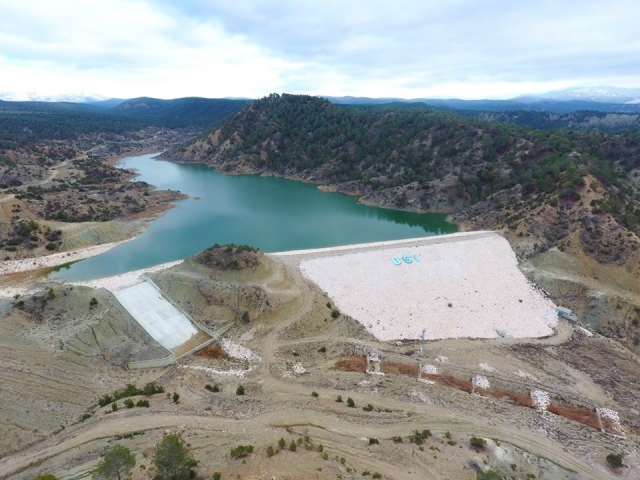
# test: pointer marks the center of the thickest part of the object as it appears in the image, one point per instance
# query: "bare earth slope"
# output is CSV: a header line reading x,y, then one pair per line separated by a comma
x,y
302,348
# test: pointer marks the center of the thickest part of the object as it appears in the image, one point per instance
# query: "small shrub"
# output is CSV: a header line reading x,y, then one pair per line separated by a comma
x,y
418,437
128,403
374,441
335,313
217,476
142,403
514,467
350,402
478,443
615,460
292,446
323,349
368,408
282,443
320,448
315,394
447,435
151,389
240,390
114,407
397,439
176,397
93,302
343,460
339,399
531,475
376,475
242,451
325,456
270,451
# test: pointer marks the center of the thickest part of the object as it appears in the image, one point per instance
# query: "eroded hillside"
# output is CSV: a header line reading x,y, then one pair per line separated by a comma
x,y
296,356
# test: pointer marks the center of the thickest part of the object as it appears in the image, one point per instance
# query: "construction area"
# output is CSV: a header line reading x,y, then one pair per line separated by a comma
x,y
166,325
463,285
358,394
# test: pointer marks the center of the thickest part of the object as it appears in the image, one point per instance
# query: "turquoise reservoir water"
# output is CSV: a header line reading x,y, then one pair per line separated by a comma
x,y
272,214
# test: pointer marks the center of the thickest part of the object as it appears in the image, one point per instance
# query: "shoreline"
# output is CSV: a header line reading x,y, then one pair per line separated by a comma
x,y
55,259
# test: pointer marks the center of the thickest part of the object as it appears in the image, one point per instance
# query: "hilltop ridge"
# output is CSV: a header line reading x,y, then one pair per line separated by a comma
x,y
491,175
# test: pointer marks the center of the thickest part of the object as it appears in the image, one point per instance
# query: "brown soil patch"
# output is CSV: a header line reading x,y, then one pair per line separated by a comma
x,y
214,351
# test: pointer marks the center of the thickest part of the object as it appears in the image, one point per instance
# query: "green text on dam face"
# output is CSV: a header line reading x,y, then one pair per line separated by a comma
x,y
273,214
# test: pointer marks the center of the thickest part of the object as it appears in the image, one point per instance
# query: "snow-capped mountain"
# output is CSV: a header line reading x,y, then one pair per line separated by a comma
x,y
589,94
67,97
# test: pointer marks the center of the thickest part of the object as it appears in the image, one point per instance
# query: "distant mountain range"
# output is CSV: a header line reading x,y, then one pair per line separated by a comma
x,y
602,99
588,94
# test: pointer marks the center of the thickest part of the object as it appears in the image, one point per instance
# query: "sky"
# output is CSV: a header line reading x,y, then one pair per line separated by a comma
x,y
376,48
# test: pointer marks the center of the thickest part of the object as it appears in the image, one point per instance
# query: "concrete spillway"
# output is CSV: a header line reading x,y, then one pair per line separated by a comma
x,y
168,326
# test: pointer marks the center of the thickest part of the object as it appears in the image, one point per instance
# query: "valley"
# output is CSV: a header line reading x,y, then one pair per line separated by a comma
x,y
573,227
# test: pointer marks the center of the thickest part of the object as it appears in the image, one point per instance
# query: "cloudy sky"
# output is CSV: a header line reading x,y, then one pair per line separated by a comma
x,y
376,48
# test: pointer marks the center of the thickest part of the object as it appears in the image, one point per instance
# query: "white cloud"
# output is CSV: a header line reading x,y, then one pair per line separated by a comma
x,y
214,48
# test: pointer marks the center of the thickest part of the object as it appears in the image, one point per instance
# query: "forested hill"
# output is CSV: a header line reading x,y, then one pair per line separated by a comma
x,y
179,112
28,122
423,159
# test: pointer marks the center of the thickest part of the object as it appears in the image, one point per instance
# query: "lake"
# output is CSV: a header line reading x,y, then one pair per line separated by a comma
x,y
273,214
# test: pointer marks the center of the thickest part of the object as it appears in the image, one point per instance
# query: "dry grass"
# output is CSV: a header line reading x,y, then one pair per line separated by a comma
x,y
213,351
351,364
577,414
582,415
450,381
397,368
359,364
516,398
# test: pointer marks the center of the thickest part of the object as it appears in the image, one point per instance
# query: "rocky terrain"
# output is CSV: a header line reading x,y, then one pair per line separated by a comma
x,y
61,351
300,358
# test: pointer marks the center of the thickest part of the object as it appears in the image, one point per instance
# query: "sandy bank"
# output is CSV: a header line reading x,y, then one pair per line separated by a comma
x,y
47,261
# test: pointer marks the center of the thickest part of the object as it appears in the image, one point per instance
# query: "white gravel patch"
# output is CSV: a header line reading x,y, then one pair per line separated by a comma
x,y
430,369
453,286
479,381
238,351
486,367
298,369
234,372
611,421
540,400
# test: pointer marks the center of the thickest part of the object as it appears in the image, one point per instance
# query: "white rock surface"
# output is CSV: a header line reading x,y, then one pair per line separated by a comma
x,y
238,351
479,381
430,369
464,285
540,400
